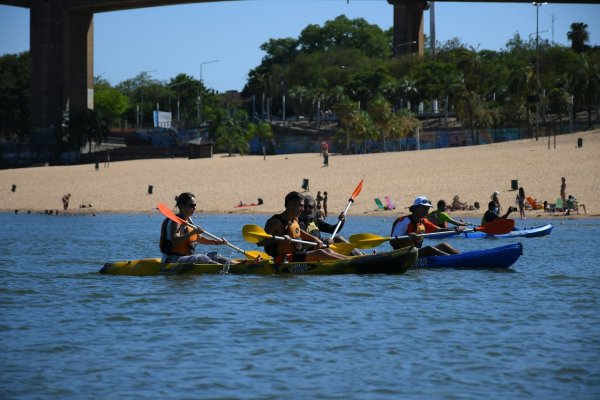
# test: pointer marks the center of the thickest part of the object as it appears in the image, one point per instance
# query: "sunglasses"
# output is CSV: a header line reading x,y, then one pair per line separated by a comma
x,y
309,207
191,205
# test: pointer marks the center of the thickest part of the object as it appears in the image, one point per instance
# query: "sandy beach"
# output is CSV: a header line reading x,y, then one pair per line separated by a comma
x,y
222,182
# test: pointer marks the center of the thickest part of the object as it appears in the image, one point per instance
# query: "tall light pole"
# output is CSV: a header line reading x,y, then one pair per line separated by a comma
x,y
537,66
144,81
199,111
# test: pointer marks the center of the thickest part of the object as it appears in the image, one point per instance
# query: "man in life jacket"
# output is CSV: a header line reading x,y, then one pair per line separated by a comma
x,y
310,222
415,224
286,224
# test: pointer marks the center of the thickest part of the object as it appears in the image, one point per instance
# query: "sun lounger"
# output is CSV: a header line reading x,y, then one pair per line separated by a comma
x,y
390,205
380,205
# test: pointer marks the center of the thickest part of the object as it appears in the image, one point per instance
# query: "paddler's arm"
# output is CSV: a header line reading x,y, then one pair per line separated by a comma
x,y
178,238
310,238
329,228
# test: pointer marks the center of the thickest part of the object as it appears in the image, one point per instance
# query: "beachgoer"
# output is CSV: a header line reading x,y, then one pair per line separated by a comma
x,y
319,199
563,189
65,201
324,205
325,153
415,224
457,204
520,201
573,205
441,218
492,214
286,224
496,201
178,241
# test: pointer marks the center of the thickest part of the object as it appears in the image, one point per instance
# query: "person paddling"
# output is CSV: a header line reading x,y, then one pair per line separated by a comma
x,y
493,214
310,222
441,218
286,224
178,241
415,224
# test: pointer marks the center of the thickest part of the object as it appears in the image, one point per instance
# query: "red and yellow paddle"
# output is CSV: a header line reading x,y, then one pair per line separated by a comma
x,y
350,201
167,212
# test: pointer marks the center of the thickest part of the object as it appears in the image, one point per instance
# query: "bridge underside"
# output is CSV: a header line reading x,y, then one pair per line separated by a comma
x,y
62,39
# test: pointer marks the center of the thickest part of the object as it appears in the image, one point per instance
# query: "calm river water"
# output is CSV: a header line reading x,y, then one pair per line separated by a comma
x,y
70,333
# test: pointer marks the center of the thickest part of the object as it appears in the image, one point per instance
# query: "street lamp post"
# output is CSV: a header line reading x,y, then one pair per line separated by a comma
x,y
537,67
143,81
199,111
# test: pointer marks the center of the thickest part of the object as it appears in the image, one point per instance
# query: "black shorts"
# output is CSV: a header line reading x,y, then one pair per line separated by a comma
x,y
299,256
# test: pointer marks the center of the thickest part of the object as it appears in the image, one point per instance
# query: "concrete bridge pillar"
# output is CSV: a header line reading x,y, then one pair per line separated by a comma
x,y
62,45
408,26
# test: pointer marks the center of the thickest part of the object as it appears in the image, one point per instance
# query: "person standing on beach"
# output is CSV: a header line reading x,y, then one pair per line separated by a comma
x,y
324,205
325,153
65,201
415,224
520,200
496,201
178,241
319,199
563,189
441,218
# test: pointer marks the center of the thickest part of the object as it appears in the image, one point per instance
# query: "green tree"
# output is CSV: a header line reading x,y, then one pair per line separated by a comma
x,y
110,102
578,35
14,95
232,133
87,127
380,111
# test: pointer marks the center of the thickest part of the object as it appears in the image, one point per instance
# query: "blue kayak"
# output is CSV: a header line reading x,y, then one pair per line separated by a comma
x,y
499,257
527,233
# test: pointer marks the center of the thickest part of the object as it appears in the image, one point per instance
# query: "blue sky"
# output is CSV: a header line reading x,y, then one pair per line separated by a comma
x,y
179,38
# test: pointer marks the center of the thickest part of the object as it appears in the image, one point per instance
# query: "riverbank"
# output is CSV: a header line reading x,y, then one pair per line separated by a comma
x,y
222,182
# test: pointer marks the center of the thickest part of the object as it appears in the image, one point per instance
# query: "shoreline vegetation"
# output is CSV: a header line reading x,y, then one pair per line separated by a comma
x,y
221,183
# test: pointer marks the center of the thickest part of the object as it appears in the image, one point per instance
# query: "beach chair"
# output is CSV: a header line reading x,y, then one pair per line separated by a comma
x,y
534,204
380,205
389,204
559,206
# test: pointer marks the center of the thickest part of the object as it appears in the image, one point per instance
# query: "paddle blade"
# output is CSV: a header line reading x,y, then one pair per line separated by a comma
x,y
254,233
497,227
358,189
167,212
253,255
342,248
367,240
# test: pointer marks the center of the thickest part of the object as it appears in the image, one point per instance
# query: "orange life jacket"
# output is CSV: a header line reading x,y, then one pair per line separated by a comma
x,y
282,247
184,248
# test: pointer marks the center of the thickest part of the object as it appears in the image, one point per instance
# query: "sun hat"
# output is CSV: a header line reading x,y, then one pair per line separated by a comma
x,y
422,201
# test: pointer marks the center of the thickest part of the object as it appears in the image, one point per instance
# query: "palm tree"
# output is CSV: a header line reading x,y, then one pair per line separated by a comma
x,y
381,114
232,134
585,83
578,35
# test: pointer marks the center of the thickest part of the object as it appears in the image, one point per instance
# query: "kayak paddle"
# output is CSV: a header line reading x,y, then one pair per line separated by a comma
x,y
166,211
350,201
255,234
496,227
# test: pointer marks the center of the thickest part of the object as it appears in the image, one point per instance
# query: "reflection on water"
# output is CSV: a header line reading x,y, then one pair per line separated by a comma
x,y
69,332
